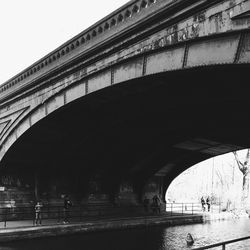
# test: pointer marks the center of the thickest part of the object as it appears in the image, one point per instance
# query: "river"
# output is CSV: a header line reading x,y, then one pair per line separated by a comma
x,y
150,238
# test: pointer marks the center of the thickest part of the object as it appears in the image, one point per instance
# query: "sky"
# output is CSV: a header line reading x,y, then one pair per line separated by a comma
x,y
30,29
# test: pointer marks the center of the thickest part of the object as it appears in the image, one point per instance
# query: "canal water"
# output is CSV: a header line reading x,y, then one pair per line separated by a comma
x,y
148,238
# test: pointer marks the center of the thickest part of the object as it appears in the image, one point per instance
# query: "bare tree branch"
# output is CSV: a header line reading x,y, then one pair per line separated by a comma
x,y
239,163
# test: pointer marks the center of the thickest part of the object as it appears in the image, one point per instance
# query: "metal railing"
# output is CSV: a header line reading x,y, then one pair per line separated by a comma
x,y
181,208
55,213
191,208
222,244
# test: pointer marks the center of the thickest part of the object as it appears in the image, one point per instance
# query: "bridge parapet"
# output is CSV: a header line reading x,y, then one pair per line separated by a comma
x,y
135,20
121,19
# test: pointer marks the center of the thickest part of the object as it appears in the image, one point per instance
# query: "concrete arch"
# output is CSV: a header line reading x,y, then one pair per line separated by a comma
x,y
231,49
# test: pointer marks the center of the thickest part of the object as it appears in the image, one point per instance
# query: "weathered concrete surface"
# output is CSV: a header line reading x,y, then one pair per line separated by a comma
x,y
93,226
150,90
212,36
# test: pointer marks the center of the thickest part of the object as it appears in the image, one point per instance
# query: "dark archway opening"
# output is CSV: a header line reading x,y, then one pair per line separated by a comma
x,y
132,130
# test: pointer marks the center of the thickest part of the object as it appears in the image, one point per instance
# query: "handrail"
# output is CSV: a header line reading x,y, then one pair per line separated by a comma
x,y
56,212
222,244
27,212
195,204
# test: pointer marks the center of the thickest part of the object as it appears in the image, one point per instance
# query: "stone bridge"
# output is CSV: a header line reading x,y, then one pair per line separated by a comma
x,y
121,109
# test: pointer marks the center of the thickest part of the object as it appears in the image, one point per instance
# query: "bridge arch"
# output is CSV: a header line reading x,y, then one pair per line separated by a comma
x,y
165,130
227,50
167,83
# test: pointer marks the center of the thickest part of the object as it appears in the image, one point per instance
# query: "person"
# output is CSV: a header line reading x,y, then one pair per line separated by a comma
x,y
156,204
203,203
145,204
38,213
189,239
208,203
66,206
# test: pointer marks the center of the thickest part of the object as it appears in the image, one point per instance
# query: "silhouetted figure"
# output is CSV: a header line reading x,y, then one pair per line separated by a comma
x,y
203,203
189,239
66,206
208,203
156,204
38,213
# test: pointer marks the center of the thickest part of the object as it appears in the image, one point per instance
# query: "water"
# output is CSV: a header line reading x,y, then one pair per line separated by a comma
x,y
151,238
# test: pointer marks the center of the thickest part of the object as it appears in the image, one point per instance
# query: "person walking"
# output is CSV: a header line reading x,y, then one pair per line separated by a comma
x,y
203,204
66,206
156,204
38,213
208,203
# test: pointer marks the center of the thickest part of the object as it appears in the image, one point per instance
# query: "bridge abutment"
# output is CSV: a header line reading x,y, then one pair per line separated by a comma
x,y
96,194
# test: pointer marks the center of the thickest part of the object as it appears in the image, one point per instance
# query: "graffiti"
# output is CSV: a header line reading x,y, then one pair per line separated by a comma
x,y
126,187
172,36
151,186
7,180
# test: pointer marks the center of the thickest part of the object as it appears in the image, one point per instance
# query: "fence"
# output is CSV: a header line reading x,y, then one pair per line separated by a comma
x,y
181,208
56,213
190,208
222,244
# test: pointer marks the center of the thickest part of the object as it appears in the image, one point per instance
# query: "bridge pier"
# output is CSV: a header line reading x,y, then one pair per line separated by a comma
x,y
97,192
154,186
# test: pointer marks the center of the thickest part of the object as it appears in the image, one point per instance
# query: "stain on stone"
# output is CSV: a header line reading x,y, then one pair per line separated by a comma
x,y
200,17
232,3
218,21
156,44
175,34
246,44
168,40
241,22
83,72
76,75
195,28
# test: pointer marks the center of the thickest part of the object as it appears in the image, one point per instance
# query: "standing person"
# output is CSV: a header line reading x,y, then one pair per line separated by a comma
x,y
66,206
38,213
156,204
208,203
203,203
189,239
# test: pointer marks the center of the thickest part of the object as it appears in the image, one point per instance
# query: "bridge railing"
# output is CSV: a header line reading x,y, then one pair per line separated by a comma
x,y
183,208
191,208
52,214
223,244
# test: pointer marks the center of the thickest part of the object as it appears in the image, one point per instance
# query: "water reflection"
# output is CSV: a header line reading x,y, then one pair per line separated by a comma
x,y
209,233
150,238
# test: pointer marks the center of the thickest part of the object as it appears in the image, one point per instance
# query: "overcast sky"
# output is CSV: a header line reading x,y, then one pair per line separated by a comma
x,y
30,29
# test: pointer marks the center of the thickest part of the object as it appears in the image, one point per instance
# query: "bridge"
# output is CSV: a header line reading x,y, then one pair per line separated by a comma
x,y
121,109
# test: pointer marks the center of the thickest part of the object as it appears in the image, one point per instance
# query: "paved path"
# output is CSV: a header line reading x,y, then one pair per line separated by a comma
x,y
30,223
17,230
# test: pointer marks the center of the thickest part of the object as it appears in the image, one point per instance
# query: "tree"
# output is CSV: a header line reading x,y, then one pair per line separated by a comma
x,y
244,167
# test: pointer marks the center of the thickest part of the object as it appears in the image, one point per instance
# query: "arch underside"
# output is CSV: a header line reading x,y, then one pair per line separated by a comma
x,y
149,105
156,125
